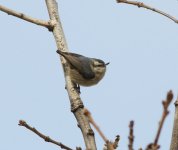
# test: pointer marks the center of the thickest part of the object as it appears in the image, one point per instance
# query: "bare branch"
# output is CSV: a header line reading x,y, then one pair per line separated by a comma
x,y
91,120
76,103
174,140
164,115
43,23
140,4
46,138
74,97
116,142
166,103
109,145
131,136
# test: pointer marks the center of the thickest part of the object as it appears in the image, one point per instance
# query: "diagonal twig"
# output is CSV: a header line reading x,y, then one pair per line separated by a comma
x,y
43,23
91,120
164,115
109,145
166,103
46,138
140,4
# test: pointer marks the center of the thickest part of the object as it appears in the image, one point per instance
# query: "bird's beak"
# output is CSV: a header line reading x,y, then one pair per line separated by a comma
x,y
107,63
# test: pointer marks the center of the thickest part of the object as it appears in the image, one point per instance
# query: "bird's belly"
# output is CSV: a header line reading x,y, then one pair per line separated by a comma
x,y
79,79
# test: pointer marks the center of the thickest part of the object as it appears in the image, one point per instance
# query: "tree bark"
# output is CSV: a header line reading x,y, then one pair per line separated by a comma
x,y
77,106
174,140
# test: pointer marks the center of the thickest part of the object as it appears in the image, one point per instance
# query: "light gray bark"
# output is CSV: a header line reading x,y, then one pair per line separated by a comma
x,y
174,141
75,100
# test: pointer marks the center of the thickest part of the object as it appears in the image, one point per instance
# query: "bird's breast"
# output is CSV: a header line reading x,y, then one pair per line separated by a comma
x,y
79,79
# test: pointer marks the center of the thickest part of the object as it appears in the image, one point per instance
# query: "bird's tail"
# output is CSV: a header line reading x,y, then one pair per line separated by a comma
x,y
61,53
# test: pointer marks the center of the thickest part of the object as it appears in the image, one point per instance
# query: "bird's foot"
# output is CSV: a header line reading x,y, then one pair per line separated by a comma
x,y
77,87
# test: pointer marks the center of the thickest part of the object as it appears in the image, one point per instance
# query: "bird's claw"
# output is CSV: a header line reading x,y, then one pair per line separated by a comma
x,y
77,87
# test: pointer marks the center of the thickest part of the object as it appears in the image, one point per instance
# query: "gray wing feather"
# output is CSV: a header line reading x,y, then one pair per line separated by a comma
x,y
80,63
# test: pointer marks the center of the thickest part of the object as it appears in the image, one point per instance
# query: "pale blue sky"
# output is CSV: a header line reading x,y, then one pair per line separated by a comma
x,y
140,45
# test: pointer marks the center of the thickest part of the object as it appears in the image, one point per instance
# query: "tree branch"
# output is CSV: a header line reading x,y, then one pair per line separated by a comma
x,y
140,4
166,103
174,140
76,103
131,136
46,138
77,106
116,142
43,23
91,120
109,145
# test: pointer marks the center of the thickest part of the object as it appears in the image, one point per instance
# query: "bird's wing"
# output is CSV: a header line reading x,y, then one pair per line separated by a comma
x,y
80,63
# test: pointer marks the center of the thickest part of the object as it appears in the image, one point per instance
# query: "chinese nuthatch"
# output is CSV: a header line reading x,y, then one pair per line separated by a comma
x,y
84,71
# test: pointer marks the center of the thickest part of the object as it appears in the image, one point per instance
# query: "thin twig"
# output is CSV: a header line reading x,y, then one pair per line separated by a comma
x,y
166,104
131,136
164,115
43,23
140,4
91,120
116,142
46,138
109,145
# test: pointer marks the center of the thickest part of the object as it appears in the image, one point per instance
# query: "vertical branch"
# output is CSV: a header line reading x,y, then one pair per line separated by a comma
x,y
174,140
131,136
75,100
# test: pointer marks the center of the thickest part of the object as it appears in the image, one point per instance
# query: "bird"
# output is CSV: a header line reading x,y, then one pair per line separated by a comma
x,y
84,71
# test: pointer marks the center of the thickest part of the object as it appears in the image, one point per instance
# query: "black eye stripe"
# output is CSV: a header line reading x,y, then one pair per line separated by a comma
x,y
101,65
